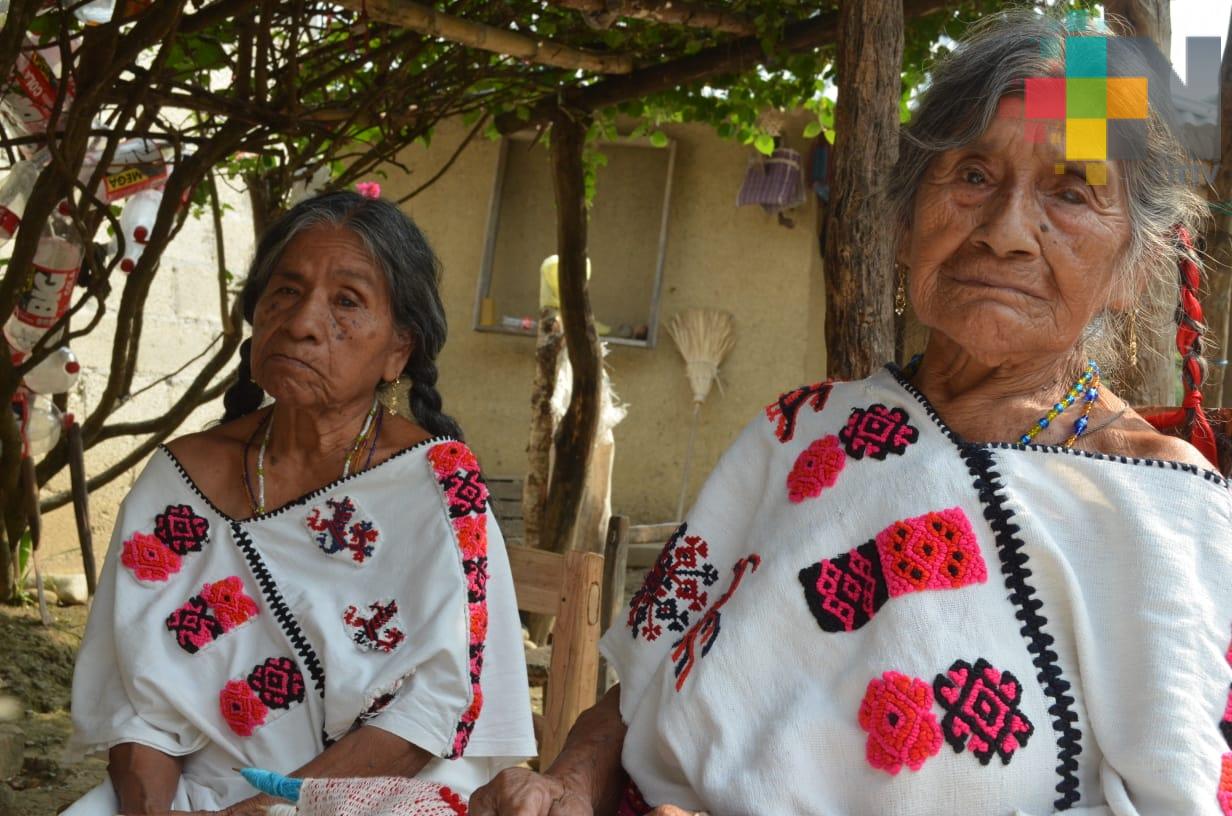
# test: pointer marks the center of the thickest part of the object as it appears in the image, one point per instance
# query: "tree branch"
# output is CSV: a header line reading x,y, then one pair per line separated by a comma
x,y
602,13
427,20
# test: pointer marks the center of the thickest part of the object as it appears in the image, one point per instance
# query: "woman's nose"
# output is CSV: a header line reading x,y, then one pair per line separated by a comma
x,y
308,318
1009,225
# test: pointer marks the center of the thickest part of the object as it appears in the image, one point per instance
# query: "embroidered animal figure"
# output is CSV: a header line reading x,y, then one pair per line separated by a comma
x,y
706,629
784,411
376,631
337,531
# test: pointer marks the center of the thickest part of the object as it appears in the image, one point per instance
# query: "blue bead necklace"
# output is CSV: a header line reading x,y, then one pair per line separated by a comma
x,y
1086,387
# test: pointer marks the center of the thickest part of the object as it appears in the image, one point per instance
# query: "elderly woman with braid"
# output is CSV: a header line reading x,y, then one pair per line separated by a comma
x,y
316,585
981,584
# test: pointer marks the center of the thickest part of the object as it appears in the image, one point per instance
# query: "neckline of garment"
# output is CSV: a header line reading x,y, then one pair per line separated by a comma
x,y
300,500
897,375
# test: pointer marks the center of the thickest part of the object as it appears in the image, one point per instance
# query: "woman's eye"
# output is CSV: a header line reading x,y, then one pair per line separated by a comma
x,y
348,302
1072,196
973,176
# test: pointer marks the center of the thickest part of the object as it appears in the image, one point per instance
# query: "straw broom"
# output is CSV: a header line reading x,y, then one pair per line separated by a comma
x,y
704,337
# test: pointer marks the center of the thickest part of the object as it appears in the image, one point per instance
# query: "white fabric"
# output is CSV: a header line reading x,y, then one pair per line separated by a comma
x,y
1129,562
133,683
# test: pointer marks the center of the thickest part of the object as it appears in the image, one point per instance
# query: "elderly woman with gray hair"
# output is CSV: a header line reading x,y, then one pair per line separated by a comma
x,y
980,584
316,585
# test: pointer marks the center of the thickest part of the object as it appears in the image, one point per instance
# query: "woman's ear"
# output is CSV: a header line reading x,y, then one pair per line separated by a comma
x,y
399,355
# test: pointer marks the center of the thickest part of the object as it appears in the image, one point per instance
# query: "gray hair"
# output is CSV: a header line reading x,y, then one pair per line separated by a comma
x,y
994,60
411,270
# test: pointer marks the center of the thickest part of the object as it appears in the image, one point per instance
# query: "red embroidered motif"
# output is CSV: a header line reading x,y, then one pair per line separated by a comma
x,y
277,682
231,605
817,467
466,496
241,709
181,530
148,558
935,551
785,410
193,625
453,801
982,714
674,587
379,631
845,592
877,431
336,528
896,713
1224,793
632,803
707,627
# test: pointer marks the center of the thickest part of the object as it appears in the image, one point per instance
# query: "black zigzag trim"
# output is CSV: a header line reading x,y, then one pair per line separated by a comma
x,y
278,606
1014,567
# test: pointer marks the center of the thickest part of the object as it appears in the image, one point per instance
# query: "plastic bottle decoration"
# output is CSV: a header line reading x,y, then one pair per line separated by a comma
x,y
136,222
43,425
95,12
29,97
56,374
137,165
56,265
15,193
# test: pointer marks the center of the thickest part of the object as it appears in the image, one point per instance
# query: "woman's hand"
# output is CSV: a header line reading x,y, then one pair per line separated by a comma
x,y
522,792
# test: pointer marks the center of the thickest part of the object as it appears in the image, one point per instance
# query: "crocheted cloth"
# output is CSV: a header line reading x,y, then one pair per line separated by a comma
x,y
378,796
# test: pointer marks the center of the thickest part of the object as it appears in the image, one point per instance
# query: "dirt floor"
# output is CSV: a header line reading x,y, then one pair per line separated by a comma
x,y
36,667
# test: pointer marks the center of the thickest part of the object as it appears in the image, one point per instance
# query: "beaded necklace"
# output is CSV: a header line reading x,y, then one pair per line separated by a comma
x,y
1087,387
258,502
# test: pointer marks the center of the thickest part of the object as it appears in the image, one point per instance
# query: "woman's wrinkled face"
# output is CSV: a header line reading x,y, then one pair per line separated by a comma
x,y
323,332
1006,256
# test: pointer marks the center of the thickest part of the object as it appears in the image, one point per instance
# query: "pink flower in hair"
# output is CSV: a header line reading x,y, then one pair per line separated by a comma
x,y
368,189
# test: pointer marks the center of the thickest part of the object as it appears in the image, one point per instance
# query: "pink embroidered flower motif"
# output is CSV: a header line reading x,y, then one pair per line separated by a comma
x,y
877,431
149,560
935,551
336,528
277,682
181,530
450,457
241,709
380,630
846,591
786,408
896,713
817,467
674,588
479,621
1224,793
231,605
193,625
982,715
472,536
466,492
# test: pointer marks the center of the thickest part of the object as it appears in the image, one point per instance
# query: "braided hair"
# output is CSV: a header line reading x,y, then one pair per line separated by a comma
x,y
411,269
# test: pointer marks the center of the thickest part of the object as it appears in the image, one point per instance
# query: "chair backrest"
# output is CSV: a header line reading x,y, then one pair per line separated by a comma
x,y
568,586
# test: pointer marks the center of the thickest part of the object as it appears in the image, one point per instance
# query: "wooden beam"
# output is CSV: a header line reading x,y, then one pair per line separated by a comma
x,y
737,56
693,15
859,259
427,20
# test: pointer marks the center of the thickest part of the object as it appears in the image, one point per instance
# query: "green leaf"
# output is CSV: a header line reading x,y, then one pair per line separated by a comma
x,y
658,139
764,144
812,129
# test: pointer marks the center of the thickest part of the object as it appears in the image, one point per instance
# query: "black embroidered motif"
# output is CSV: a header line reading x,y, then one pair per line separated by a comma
x,y
193,625
181,530
674,588
277,682
467,493
785,410
982,714
845,592
877,431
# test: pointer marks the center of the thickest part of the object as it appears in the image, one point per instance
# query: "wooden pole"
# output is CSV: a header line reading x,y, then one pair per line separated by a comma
x,y
427,20
576,436
859,260
539,448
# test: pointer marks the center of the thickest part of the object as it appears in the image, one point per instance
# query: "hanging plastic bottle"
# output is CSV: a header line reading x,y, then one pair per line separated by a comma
x,y
44,421
28,97
95,12
56,374
136,165
14,193
56,264
136,222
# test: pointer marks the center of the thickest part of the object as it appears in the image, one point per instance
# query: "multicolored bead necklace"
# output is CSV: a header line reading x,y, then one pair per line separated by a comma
x,y
258,501
1086,387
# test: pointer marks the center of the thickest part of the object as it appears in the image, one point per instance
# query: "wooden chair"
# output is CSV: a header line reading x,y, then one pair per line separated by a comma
x,y
568,586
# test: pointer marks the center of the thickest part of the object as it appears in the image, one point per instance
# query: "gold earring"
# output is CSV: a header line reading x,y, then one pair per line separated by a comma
x,y
900,294
1133,338
389,395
